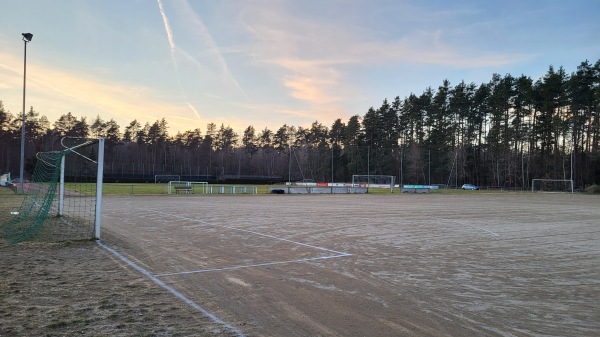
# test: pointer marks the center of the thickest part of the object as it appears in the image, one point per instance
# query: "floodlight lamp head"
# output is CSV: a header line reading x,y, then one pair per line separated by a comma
x,y
27,37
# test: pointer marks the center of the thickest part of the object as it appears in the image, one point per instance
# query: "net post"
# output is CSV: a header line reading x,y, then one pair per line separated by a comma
x,y
61,186
572,184
100,174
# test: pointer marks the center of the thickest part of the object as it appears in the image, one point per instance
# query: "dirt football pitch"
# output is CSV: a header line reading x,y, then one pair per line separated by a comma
x,y
465,264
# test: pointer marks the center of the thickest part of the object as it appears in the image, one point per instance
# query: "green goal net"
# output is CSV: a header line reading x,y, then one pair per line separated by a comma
x,y
62,200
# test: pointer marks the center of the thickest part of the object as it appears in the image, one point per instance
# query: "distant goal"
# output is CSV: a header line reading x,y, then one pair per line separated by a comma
x,y
552,185
187,187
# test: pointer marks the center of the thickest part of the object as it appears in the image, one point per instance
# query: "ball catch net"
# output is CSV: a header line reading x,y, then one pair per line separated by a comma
x,y
62,200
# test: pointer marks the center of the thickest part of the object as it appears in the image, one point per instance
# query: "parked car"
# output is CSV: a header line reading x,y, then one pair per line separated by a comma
x,y
469,187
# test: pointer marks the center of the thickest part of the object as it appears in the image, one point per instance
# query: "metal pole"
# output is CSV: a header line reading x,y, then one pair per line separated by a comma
x,y
429,173
99,180
368,167
572,149
22,166
61,188
401,167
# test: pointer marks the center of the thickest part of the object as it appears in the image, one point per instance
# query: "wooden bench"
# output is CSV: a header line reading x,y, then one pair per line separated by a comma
x,y
186,189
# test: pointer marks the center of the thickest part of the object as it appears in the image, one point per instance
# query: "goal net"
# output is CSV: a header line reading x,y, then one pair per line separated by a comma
x,y
552,185
375,181
62,200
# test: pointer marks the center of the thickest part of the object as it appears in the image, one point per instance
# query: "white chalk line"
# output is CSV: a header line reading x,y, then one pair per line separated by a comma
x,y
251,232
337,253
465,224
485,230
252,265
174,292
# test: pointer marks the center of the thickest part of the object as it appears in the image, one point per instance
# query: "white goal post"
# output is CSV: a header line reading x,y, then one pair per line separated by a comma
x,y
5,179
74,146
552,185
370,180
63,198
186,187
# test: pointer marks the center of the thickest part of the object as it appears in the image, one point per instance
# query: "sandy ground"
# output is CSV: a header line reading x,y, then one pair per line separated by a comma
x,y
78,289
476,264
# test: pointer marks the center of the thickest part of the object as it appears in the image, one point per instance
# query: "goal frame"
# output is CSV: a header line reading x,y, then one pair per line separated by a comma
x,y
5,179
99,179
49,211
533,181
188,184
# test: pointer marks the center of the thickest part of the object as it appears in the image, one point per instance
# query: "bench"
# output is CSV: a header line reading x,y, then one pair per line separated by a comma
x,y
186,189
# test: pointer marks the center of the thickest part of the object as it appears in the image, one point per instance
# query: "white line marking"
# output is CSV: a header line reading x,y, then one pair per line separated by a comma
x,y
177,294
252,232
485,230
251,265
466,224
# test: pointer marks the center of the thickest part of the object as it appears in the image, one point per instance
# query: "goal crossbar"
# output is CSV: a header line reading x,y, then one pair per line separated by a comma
x,y
550,181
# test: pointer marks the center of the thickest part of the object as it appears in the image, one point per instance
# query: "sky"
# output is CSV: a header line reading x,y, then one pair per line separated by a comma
x,y
267,63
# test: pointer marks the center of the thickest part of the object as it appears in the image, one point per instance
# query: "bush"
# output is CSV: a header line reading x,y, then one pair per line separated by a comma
x,y
594,189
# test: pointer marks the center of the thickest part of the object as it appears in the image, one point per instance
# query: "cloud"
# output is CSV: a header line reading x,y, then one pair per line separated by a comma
x,y
317,60
60,91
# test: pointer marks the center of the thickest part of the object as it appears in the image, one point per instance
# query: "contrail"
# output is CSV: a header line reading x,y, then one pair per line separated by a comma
x,y
194,110
209,41
169,31
172,45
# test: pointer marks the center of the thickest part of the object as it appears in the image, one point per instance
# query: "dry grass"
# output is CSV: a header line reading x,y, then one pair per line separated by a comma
x,y
76,288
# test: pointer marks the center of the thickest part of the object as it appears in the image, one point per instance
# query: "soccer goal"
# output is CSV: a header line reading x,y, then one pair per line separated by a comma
x,y
552,185
63,199
5,179
375,181
187,187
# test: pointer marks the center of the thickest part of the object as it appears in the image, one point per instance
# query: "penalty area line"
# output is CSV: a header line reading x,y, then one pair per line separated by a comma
x,y
251,265
469,225
250,232
174,292
485,230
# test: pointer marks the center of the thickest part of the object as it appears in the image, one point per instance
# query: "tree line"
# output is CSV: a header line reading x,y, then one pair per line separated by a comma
x,y
502,133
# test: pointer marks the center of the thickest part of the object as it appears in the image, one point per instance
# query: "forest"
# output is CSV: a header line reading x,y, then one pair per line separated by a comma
x,y
499,134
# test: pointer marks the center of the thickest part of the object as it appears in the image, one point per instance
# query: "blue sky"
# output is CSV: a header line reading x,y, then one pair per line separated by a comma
x,y
272,62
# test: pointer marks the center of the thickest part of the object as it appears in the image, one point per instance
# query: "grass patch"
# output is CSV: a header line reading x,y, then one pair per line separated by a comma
x,y
105,306
123,189
58,324
594,189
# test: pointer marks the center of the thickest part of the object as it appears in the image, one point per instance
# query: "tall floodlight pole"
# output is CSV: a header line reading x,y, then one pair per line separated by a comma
x,y
26,38
572,150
